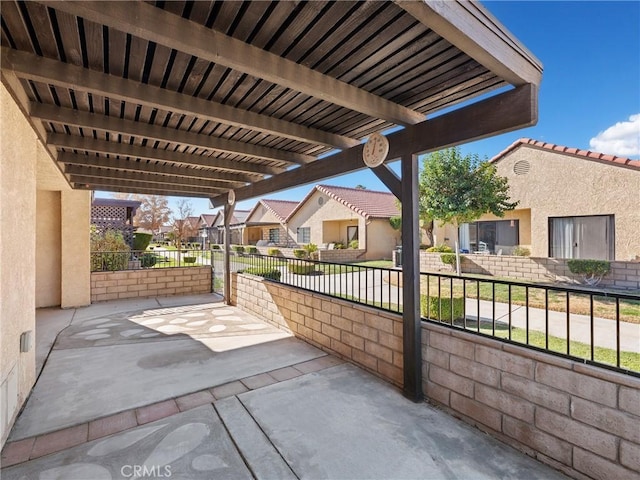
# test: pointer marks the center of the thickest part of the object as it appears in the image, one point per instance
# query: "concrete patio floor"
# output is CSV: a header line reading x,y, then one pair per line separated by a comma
x,y
189,388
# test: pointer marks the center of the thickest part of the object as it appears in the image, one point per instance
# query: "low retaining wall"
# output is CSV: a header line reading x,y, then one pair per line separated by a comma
x,y
574,417
623,275
342,255
366,336
152,282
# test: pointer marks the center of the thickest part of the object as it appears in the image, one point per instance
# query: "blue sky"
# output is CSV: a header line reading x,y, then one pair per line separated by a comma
x,y
590,91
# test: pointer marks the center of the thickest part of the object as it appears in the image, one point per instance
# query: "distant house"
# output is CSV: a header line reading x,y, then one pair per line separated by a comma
x,y
115,214
236,226
330,215
207,230
572,204
266,223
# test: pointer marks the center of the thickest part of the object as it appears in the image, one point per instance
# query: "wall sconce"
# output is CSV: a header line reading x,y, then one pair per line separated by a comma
x,y
512,223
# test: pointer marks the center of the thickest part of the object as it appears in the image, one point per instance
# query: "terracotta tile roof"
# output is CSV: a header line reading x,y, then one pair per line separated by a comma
x,y
586,154
280,208
238,217
368,203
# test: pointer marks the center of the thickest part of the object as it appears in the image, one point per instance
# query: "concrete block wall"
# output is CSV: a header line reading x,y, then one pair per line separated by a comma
x,y
577,418
623,275
153,282
365,336
342,255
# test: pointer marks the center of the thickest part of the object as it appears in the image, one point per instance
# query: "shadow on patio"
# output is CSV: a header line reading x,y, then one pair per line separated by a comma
x,y
191,388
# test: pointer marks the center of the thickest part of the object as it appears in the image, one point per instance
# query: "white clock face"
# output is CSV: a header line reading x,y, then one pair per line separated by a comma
x,y
375,151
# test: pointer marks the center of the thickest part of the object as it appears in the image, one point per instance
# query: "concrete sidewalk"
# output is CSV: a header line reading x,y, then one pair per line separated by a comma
x,y
202,391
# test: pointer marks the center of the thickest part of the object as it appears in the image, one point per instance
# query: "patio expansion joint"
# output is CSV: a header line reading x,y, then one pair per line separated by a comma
x,y
30,448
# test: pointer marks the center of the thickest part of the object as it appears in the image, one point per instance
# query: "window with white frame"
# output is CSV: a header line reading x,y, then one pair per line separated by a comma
x,y
304,235
274,235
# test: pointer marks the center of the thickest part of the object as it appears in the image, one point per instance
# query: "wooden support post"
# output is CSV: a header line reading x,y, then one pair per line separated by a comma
x,y
412,330
228,213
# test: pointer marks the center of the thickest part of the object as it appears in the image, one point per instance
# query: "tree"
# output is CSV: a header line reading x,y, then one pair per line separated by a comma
x,y
181,225
460,189
153,212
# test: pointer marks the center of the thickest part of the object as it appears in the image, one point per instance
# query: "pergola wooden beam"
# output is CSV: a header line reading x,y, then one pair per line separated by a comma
x,y
94,121
175,159
502,113
156,25
165,192
46,70
117,175
471,28
231,179
133,186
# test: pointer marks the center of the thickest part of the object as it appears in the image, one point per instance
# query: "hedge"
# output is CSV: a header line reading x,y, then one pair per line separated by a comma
x,y
302,268
430,310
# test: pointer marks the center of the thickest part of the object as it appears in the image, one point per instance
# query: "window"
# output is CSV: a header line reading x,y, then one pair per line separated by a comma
x,y
304,234
352,233
274,235
491,237
589,237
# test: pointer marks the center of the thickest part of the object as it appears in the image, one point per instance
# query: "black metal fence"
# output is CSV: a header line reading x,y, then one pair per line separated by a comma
x,y
134,259
587,325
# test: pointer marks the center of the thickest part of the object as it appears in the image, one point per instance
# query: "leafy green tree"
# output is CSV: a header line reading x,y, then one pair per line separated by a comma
x,y
460,189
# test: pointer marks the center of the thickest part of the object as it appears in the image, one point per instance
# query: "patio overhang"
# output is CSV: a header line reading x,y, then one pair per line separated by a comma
x,y
202,98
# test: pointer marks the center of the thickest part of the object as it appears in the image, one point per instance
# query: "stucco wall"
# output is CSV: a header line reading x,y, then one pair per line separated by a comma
x,y
75,213
562,185
48,249
381,239
18,156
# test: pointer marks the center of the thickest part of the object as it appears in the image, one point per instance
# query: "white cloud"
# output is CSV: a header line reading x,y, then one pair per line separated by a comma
x,y
622,139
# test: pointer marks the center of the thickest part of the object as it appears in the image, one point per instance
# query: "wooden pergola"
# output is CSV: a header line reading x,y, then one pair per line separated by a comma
x,y
203,98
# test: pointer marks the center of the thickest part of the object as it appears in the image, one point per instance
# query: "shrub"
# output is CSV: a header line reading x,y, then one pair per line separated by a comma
x,y
354,244
302,268
274,252
238,249
430,309
448,258
189,259
252,250
310,248
109,250
440,249
270,274
147,260
141,240
338,246
299,253
592,271
215,247
519,251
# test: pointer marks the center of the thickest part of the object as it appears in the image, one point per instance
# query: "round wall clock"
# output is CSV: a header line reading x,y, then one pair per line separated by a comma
x,y
375,151
231,197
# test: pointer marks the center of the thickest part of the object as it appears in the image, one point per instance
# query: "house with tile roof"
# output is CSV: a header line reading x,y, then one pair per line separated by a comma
x,y
330,215
236,226
572,204
266,223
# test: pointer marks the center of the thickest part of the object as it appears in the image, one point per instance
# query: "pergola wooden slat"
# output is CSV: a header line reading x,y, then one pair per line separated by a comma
x,y
198,98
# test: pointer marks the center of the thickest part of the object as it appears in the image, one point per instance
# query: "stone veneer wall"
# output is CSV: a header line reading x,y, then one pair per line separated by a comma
x,y
153,282
366,336
624,275
580,419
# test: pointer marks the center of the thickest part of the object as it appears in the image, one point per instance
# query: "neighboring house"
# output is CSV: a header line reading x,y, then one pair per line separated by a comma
x,y
163,233
236,226
114,214
206,229
329,215
572,204
266,224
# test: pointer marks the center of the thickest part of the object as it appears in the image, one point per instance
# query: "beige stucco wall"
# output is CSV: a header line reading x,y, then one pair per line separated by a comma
x,y
75,216
561,185
18,153
381,239
48,249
